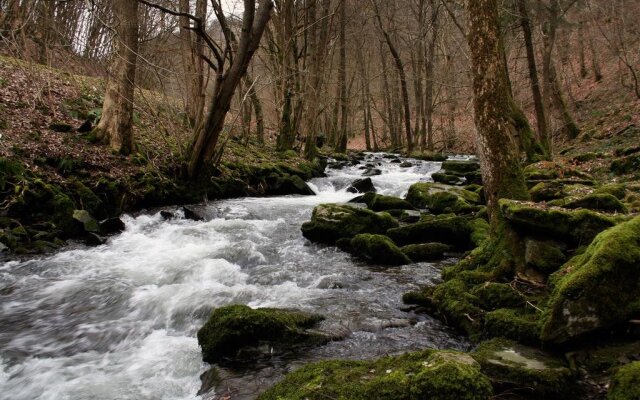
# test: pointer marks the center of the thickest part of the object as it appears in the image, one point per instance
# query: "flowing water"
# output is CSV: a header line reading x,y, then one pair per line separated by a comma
x,y
118,321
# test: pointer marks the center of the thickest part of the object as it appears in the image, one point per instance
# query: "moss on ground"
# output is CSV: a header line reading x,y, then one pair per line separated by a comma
x,y
625,383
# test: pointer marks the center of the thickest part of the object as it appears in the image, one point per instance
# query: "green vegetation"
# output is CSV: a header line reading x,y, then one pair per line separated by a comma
x,y
625,383
378,249
436,375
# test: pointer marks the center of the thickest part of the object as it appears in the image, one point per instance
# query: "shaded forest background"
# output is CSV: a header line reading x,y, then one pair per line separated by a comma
x,y
335,68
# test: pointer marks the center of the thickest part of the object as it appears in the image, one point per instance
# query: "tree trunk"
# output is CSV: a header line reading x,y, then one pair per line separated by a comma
x,y
541,119
204,144
428,101
116,124
493,105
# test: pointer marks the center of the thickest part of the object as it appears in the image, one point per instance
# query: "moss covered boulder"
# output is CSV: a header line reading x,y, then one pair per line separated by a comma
x,y
625,383
378,249
426,251
440,199
460,167
429,374
548,170
458,306
594,201
596,289
234,328
574,226
452,230
330,222
545,256
511,365
378,202
513,323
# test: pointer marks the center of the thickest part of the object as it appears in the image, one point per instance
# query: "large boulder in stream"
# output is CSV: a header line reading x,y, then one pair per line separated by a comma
x,y
331,222
234,328
428,374
451,230
378,249
598,288
362,186
440,199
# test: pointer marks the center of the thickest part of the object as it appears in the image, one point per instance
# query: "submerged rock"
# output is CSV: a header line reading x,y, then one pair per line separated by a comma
x,y
426,251
429,374
511,365
330,222
596,289
378,249
233,328
362,186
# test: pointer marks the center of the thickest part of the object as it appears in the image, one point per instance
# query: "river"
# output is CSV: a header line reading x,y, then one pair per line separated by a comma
x,y
119,321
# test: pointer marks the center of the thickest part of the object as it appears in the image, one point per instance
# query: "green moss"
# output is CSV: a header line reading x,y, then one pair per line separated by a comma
x,y
625,383
546,171
619,190
492,295
428,156
330,222
378,202
378,249
460,167
508,363
440,199
575,226
543,255
596,201
232,328
423,297
449,179
436,375
625,165
603,359
425,252
452,230
480,230
545,191
514,324
598,288
458,306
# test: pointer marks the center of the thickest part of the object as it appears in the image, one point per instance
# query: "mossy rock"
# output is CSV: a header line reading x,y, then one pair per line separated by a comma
x,y
233,328
598,288
545,256
511,365
378,202
453,231
460,167
441,199
429,374
378,249
514,324
426,251
625,383
548,170
428,156
458,306
574,226
626,165
548,190
449,179
422,297
493,295
330,222
86,221
619,190
595,201
605,357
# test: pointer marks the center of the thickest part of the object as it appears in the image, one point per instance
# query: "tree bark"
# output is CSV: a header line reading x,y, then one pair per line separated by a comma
x,y
204,144
342,80
116,124
541,119
493,105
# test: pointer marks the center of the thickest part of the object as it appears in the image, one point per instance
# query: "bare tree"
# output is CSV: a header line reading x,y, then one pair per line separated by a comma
x,y
116,124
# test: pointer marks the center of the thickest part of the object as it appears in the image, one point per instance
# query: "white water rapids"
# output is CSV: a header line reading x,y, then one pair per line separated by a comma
x,y
118,321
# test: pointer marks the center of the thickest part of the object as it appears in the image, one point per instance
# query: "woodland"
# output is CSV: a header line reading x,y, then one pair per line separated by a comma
x,y
320,199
